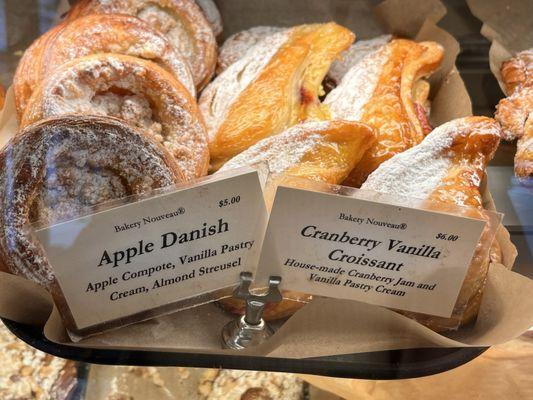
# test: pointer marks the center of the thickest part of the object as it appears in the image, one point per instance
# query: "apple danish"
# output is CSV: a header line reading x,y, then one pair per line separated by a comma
x,y
386,91
515,113
94,34
61,168
181,21
323,151
136,91
211,13
447,168
273,87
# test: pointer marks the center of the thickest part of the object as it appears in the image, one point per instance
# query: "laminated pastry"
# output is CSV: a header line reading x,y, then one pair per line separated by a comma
x,y
181,21
249,385
322,151
238,44
61,168
447,169
95,34
354,55
276,85
211,13
27,373
515,113
386,91
137,91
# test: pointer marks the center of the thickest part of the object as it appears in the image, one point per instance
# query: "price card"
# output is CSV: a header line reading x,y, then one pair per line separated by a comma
x,y
348,248
155,252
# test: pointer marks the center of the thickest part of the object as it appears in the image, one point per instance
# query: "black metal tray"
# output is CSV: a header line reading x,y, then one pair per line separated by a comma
x,y
394,364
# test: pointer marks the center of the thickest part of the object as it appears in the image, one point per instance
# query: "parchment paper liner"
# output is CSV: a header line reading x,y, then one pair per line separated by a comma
x,y
325,326
508,25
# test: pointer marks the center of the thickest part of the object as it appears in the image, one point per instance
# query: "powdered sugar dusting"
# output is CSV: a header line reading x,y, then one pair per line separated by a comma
x,y
237,45
210,10
60,169
348,99
417,172
280,152
354,55
151,102
220,94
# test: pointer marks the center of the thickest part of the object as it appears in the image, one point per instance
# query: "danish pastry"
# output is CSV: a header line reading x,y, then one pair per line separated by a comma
x,y
61,168
94,34
273,87
137,91
26,75
181,21
447,168
515,113
211,13
385,90
323,151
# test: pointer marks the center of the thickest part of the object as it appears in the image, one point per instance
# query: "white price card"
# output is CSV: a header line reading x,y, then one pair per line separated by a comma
x,y
157,251
348,248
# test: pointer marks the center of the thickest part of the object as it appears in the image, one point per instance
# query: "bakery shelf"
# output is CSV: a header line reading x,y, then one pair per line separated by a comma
x,y
394,364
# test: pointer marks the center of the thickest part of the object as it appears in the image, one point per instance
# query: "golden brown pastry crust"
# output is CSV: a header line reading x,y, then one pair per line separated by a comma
x,y
382,91
515,113
272,88
137,91
2,97
447,169
27,75
94,34
322,151
181,21
94,160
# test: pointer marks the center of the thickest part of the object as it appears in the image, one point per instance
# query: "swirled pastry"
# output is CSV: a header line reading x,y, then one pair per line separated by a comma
x,y
275,86
181,21
95,34
385,90
447,168
515,113
27,74
323,151
211,13
137,91
238,44
61,168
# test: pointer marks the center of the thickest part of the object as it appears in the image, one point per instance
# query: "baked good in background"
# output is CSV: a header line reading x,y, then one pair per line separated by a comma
x,y
211,13
2,96
386,91
237,45
276,85
27,373
61,168
95,34
515,113
447,168
322,151
250,385
181,21
137,91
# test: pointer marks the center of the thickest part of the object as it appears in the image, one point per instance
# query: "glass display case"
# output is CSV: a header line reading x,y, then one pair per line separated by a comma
x,y
97,366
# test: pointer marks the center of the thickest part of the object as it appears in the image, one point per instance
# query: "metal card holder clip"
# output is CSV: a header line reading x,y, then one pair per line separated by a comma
x,y
250,329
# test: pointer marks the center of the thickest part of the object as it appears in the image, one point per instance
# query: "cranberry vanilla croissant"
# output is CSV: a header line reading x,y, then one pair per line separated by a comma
x,y
386,91
447,169
276,85
322,151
